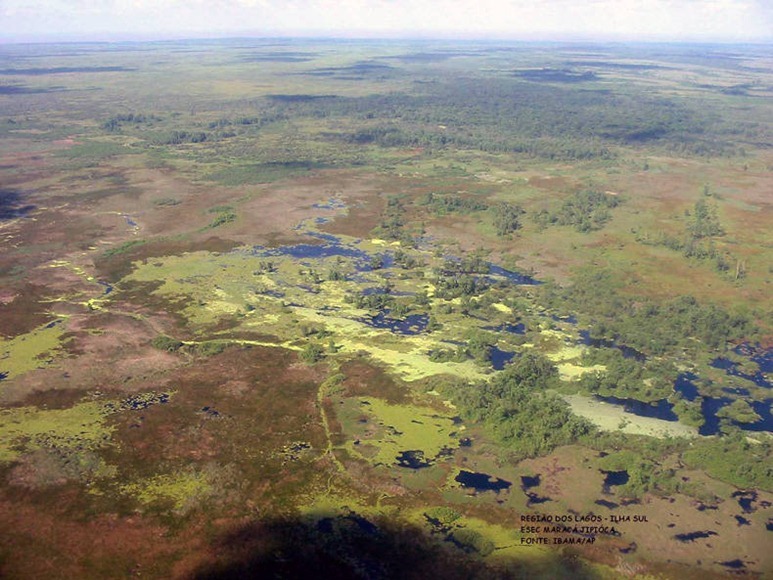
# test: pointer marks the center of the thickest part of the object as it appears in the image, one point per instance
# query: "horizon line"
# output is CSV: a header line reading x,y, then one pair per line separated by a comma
x,y
361,36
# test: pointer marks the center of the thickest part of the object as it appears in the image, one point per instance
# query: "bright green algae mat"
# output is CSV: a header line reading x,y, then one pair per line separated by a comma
x,y
400,428
82,427
30,351
211,287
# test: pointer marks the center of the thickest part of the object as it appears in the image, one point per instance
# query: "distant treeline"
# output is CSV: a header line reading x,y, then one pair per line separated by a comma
x,y
511,115
495,115
649,326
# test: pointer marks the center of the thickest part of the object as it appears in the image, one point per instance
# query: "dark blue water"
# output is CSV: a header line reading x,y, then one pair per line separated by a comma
x,y
54,323
314,251
607,504
326,525
746,500
709,409
12,205
614,478
535,499
499,358
412,459
723,363
627,351
528,482
758,378
329,238
684,385
764,361
736,391
692,536
763,409
514,277
375,290
108,287
660,409
702,507
273,293
410,325
571,319
711,405
519,328
130,221
763,357
383,290
481,481
138,403
663,410
3,376
332,204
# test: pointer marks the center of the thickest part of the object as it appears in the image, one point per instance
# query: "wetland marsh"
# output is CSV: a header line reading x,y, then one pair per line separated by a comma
x,y
440,308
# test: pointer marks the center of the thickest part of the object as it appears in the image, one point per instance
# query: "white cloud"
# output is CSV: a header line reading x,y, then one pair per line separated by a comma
x,y
691,19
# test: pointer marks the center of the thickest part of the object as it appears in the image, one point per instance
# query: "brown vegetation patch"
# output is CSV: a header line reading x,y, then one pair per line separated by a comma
x,y
669,516
25,311
40,540
107,352
566,476
280,207
51,399
365,379
206,420
363,217
115,266
553,183
51,235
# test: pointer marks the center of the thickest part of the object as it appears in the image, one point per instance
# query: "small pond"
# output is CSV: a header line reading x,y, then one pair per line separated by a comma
x,y
410,325
499,358
711,405
481,481
518,328
412,459
607,504
732,368
108,287
692,536
660,409
527,482
511,276
612,478
684,385
627,351
571,319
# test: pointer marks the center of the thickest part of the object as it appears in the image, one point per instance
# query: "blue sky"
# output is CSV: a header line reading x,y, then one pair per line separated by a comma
x,y
719,20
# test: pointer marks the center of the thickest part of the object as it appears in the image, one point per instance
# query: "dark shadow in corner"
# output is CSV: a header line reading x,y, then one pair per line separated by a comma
x,y
12,206
352,547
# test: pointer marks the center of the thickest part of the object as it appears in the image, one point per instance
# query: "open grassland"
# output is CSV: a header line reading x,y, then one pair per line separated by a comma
x,y
276,306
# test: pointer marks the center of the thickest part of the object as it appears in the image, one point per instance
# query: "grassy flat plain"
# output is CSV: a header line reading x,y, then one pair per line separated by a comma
x,y
385,309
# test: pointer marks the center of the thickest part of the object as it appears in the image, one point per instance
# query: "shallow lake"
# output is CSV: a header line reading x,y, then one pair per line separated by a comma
x,y
481,481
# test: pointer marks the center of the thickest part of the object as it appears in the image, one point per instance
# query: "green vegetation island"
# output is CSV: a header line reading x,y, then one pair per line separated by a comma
x,y
386,309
